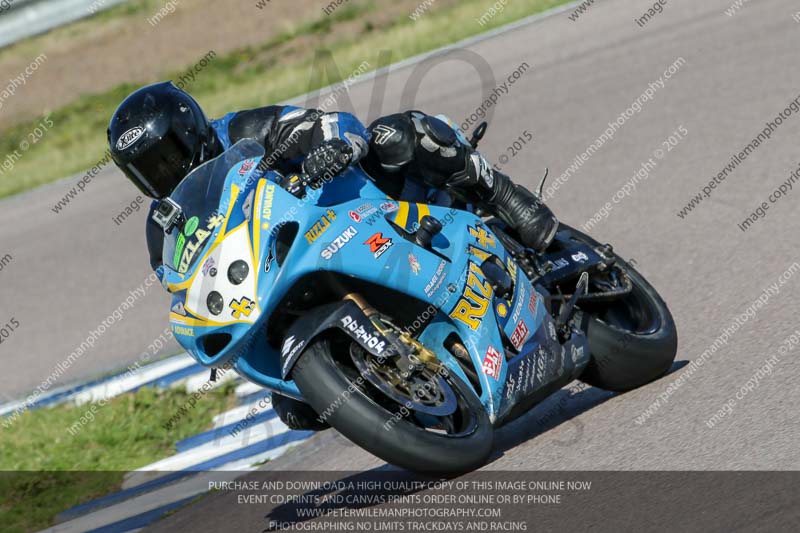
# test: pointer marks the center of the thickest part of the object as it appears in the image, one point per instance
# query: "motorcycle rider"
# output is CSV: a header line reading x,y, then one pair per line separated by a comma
x,y
159,134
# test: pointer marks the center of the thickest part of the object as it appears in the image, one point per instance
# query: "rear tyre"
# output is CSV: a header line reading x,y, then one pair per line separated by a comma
x,y
363,414
633,339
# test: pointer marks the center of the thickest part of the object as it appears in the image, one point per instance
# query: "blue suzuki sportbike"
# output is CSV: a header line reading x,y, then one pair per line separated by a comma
x,y
414,329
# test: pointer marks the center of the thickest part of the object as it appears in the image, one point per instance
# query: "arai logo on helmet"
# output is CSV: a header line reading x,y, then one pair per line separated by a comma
x,y
130,137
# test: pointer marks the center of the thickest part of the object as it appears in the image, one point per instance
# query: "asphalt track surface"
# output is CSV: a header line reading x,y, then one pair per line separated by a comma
x,y
70,270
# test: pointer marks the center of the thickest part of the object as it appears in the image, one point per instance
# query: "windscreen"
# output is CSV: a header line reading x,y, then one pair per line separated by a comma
x,y
198,196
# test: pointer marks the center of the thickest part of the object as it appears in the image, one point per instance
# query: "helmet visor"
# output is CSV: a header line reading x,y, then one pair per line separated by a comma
x,y
158,169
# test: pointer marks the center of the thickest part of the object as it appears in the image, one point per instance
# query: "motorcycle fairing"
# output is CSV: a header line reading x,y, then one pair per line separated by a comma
x,y
332,235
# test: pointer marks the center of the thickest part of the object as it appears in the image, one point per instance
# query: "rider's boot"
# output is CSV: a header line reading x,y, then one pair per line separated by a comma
x,y
495,193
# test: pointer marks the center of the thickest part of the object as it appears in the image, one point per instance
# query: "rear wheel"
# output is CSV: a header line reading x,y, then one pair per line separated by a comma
x,y
427,422
632,338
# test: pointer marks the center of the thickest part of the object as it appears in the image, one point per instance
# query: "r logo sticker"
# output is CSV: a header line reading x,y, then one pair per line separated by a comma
x,y
378,244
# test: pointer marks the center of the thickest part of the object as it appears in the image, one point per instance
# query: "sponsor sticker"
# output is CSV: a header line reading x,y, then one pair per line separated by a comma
x,y
540,363
475,298
191,226
560,263
266,208
183,330
484,238
208,266
510,384
178,309
268,261
522,372
552,329
289,347
186,249
437,279
242,307
491,362
532,303
320,226
378,244
389,207
247,166
339,242
483,255
371,340
580,257
520,301
127,139
414,263
361,212
519,335
247,205
512,269
576,353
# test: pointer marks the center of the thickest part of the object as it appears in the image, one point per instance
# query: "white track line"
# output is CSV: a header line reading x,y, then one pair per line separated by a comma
x,y
137,378
238,414
247,388
220,446
109,385
247,464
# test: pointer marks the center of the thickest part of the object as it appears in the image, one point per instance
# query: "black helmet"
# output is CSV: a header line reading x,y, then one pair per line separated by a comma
x,y
157,135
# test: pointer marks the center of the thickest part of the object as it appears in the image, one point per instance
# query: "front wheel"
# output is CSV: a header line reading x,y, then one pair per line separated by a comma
x,y
426,433
632,339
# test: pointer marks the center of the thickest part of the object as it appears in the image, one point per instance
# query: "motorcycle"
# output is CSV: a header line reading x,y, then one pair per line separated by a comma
x,y
414,329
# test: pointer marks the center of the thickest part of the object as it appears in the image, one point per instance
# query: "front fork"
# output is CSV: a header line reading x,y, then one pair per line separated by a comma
x,y
410,355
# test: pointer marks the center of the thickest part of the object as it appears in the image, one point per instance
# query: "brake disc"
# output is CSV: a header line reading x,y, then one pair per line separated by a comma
x,y
423,390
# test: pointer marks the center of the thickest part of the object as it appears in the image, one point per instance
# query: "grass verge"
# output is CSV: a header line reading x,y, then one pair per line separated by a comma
x,y
45,469
272,72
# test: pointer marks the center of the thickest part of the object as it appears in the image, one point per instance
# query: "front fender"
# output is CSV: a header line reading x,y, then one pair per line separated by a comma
x,y
345,316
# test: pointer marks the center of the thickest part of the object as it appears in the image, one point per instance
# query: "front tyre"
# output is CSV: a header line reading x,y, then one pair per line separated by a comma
x,y
364,414
296,415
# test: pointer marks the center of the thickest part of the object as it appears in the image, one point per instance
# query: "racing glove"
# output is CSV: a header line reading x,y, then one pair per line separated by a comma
x,y
326,161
